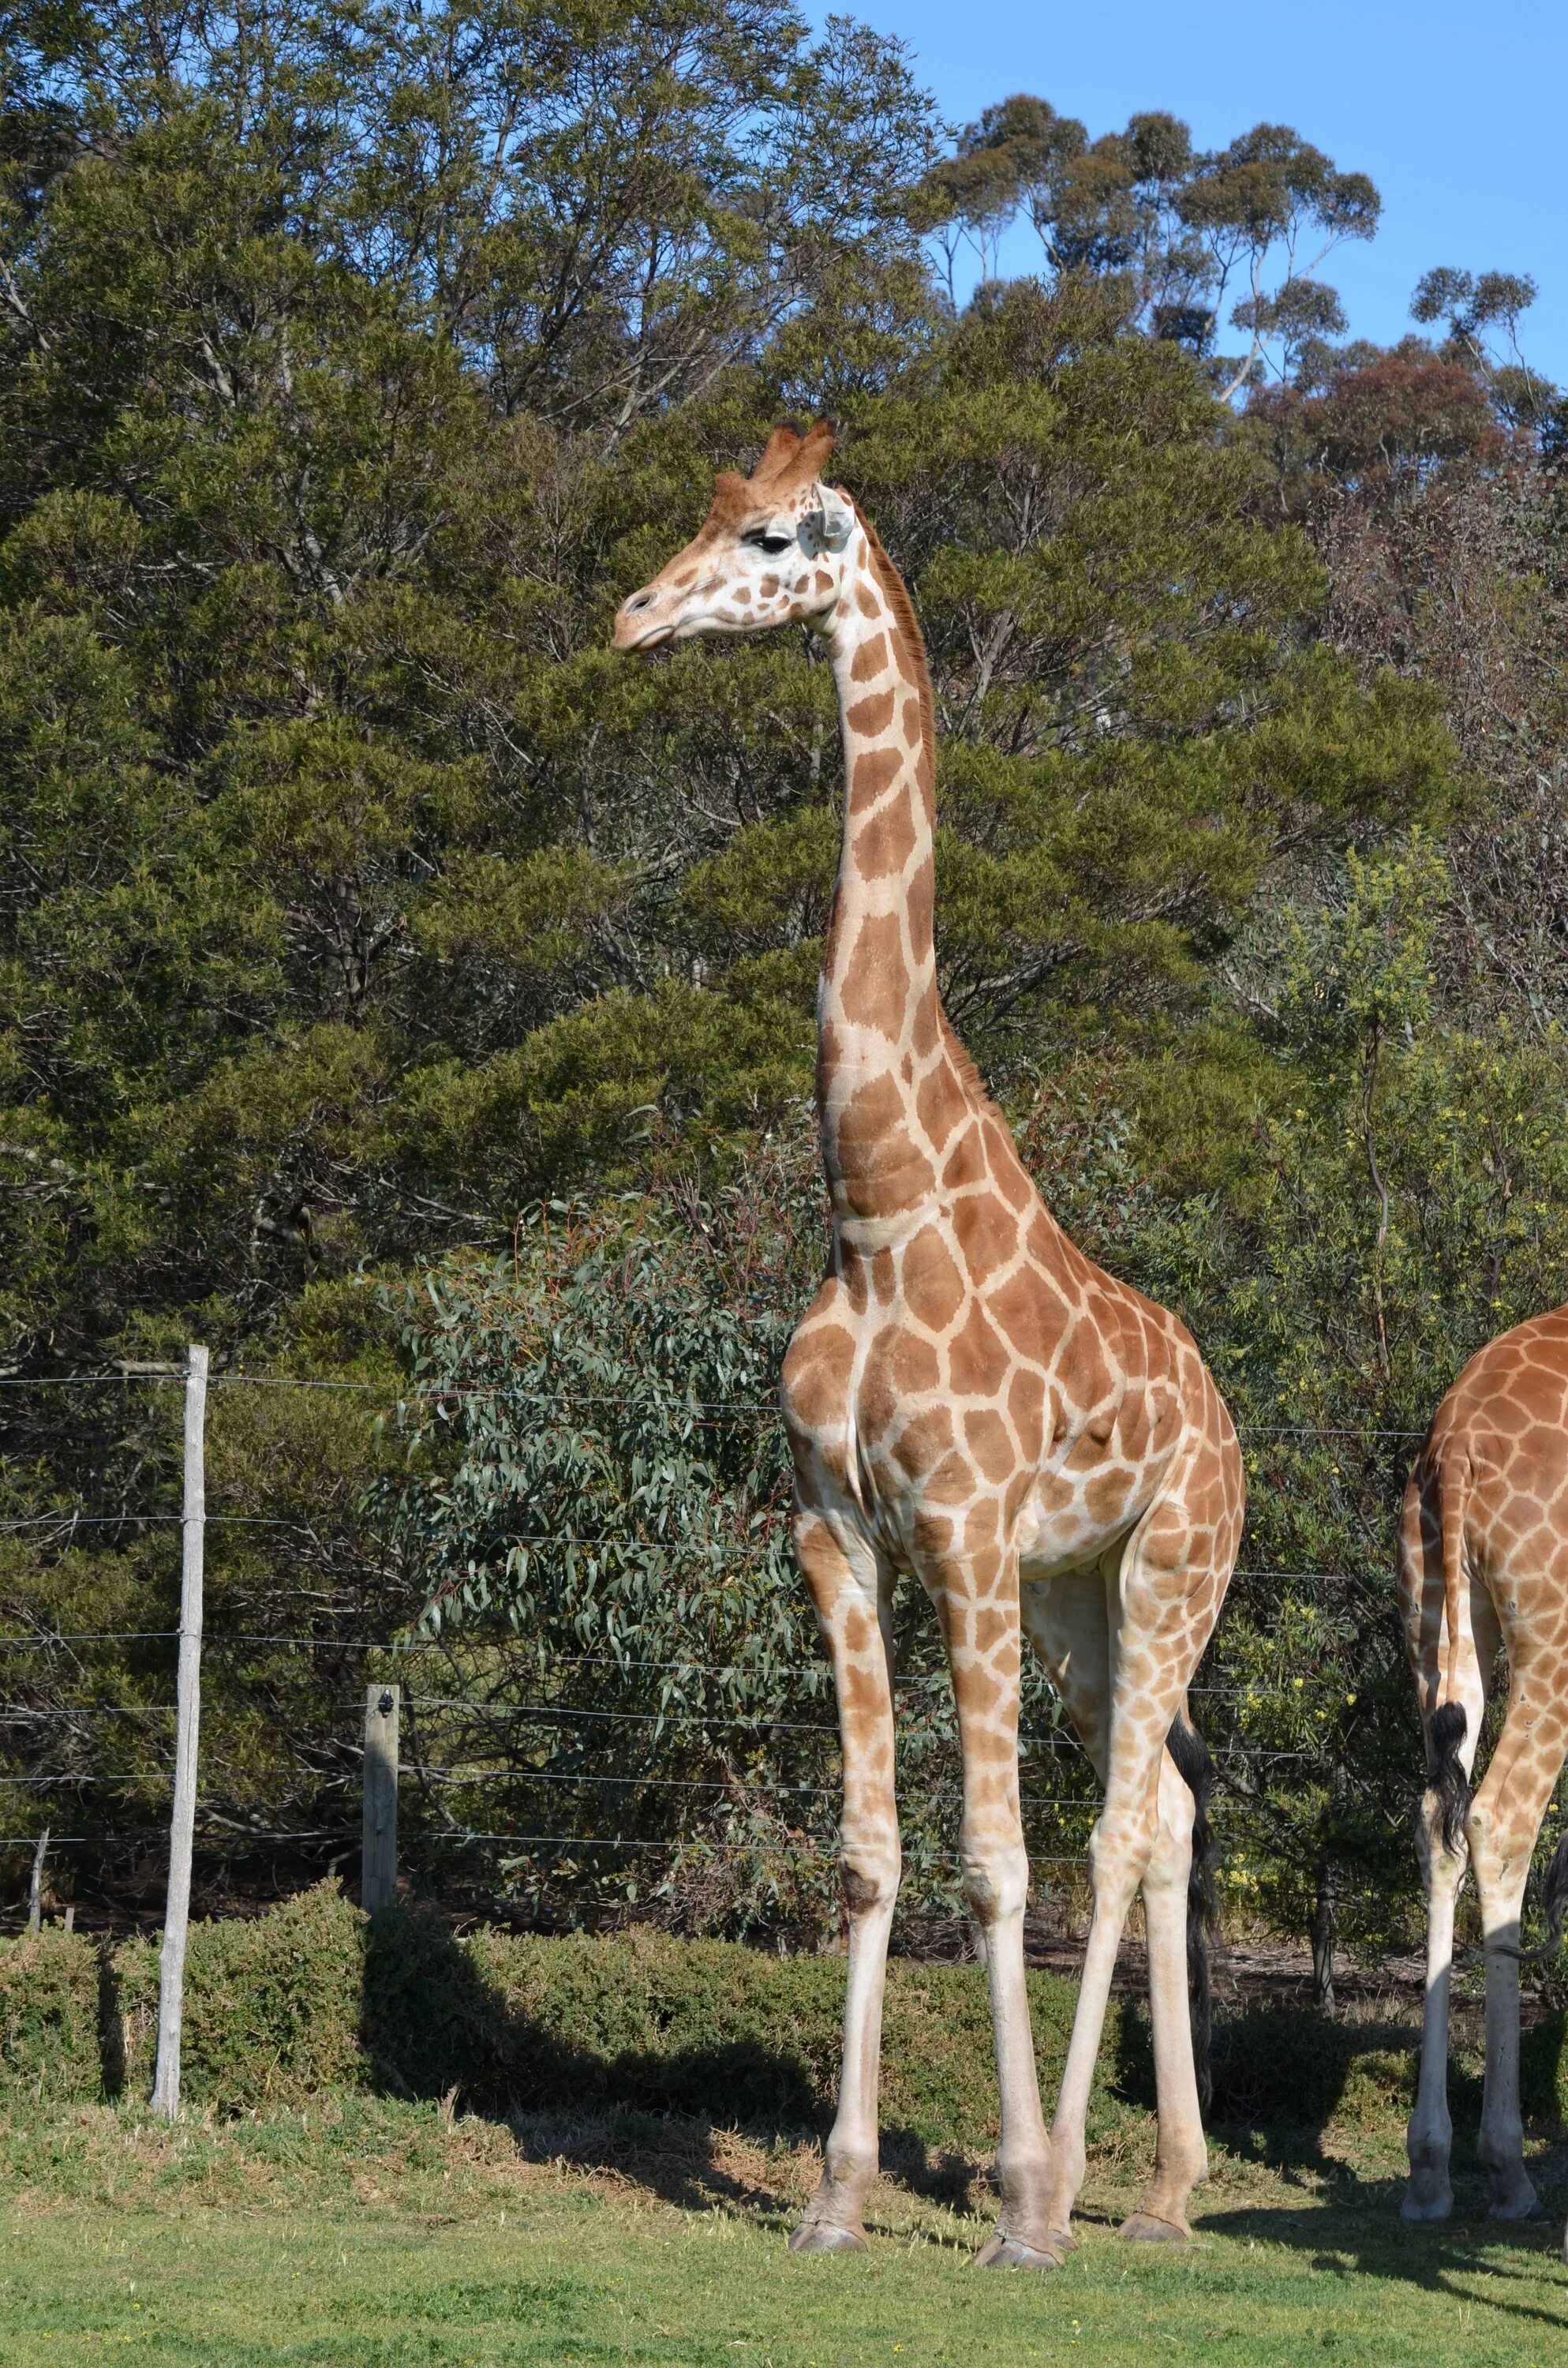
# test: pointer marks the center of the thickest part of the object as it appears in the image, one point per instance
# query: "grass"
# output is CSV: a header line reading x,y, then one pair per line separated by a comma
x,y
373,2232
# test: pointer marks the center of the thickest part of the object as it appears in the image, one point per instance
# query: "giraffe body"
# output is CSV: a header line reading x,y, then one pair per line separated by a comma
x,y
970,1401
1483,1563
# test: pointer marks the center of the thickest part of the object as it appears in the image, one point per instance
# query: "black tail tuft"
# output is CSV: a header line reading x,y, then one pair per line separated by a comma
x,y
1195,1769
1444,1774
1554,1894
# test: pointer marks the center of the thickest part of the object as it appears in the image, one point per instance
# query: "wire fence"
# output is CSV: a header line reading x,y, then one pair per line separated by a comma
x,y
796,1805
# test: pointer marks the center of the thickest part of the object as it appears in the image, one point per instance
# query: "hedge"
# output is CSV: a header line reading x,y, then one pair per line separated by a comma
x,y
314,1999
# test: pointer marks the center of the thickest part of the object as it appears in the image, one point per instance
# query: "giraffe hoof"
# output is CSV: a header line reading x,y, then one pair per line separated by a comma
x,y
1525,2206
1012,2253
1148,2228
822,2236
1428,2204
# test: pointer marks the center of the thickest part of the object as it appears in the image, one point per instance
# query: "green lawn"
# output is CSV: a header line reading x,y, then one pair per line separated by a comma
x,y
378,2233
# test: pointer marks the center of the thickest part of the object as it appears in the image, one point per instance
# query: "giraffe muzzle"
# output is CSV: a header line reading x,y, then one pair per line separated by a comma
x,y
647,622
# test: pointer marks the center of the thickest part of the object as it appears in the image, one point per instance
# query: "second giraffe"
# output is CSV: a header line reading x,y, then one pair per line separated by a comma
x,y
1483,1564
970,1401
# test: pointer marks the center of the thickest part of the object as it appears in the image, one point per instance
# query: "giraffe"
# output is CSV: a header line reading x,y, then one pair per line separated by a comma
x,y
1484,1562
968,1401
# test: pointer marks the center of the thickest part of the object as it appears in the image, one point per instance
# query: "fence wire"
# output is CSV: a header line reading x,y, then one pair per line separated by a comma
x,y
223,1831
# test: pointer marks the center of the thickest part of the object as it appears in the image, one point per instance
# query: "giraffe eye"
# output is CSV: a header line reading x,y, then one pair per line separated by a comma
x,y
764,538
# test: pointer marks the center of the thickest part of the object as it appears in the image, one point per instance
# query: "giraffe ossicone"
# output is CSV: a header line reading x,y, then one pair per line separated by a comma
x,y
972,1402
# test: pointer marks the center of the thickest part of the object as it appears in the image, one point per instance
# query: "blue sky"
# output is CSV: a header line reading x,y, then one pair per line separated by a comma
x,y
1458,111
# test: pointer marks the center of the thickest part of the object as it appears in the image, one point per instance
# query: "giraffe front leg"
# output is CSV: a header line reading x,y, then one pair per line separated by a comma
x,y
853,1607
978,1602
1181,2156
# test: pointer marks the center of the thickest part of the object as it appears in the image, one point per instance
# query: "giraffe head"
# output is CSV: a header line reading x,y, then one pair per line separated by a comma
x,y
770,552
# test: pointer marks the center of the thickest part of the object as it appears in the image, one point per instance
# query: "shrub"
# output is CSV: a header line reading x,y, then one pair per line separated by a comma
x,y
314,2000
271,2005
49,2018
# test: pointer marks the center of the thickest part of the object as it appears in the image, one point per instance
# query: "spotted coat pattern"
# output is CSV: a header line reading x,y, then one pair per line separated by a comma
x,y
972,1402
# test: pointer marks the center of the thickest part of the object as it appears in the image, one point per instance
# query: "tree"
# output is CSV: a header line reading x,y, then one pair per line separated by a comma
x,y
1171,228
357,906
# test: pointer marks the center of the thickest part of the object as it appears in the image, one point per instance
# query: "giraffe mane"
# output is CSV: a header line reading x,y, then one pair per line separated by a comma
x,y
903,607
896,593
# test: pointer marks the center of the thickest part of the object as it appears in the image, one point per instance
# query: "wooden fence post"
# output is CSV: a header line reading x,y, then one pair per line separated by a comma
x,y
378,1879
188,1718
35,1889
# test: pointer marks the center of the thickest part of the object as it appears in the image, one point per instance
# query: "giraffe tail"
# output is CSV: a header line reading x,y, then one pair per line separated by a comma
x,y
1554,1894
1445,1728
1196,1769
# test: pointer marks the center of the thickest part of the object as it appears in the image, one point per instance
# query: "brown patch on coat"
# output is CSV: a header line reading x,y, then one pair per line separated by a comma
x,y
876,769
977,1357
1104,1498
990,1442
875,987
1025,1404
884,845
920,904
965,1163
913,1366
987,1234
815,1379
933,1284
871,714
870,659
924,1440
1006,1168
940,1103
1029,1311
876,1154
952,1482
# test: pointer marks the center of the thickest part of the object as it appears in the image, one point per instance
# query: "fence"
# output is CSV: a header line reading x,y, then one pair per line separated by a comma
x,y
398,1709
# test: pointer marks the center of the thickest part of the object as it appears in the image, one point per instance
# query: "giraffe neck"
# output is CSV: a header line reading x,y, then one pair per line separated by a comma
x,y
881,1024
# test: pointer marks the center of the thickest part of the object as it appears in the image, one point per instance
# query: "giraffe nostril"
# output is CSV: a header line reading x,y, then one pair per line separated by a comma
x,y
639,600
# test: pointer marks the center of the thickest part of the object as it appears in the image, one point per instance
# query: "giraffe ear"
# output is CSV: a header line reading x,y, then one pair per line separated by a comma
x,y
831,526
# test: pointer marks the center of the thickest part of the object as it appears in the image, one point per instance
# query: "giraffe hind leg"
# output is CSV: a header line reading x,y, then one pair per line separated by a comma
x,y
1504,1821
1453,1733
1180,2049
1166,1584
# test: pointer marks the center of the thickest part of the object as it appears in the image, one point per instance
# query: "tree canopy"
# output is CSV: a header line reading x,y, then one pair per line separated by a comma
x,y
358,909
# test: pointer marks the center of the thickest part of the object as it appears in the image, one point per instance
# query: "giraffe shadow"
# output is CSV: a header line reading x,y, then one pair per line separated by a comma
x,y
698,2125
434,2028
1496,2269
1285,2074
1288,2077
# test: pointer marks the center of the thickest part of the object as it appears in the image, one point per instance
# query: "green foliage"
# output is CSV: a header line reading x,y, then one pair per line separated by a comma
x,y
686,2026
49,2018
394,984
271,2007
1406,1200
311,2004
